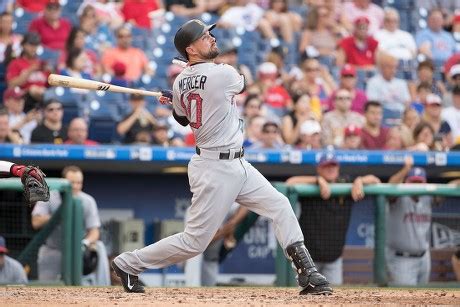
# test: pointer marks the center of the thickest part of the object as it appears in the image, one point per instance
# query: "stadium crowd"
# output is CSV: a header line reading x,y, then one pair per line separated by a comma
x,y
354,74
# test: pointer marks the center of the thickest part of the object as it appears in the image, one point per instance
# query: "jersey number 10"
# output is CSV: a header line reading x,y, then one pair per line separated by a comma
x,y
193,100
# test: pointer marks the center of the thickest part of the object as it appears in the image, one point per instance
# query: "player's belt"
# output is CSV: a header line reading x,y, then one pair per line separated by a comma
x,y
412,255
220,155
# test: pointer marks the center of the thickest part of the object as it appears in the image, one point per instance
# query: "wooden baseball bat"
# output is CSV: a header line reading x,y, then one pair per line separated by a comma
x,y
66,81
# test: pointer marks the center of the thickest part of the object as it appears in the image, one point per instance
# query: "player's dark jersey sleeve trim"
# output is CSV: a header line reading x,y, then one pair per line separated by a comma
x,y
244,85
182,120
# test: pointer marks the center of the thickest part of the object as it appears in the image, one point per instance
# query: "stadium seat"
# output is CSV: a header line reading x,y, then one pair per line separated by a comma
x,y
102,130
49,55
22,19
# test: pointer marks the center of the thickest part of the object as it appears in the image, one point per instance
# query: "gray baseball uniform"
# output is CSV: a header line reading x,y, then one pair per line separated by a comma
x,y
204,93
12,272
49,254
408,245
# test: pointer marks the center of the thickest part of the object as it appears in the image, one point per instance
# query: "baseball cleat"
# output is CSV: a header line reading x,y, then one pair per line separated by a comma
x,y
316,290
130,282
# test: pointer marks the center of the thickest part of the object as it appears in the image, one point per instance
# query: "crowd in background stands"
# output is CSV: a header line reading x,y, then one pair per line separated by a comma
x,y
359,82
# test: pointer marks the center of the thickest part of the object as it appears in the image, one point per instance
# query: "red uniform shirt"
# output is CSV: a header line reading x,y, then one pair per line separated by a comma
x,y
53,38
38,77
138,10
357,56
277,97
35,6
369,141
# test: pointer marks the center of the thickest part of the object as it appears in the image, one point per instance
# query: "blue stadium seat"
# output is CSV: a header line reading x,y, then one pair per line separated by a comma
x,y
50,56
391,117
22,19
102,130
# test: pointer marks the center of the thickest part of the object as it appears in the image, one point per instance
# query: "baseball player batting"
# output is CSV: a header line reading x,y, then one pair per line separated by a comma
x,y
204,97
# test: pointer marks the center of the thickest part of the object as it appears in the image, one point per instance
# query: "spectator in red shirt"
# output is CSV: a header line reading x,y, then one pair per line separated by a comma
x,y
137,12
358,49
53,29
34,6
77,133
275,95
373,135
29,72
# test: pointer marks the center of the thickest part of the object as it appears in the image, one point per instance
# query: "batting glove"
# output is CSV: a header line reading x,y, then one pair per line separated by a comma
x,y
166,97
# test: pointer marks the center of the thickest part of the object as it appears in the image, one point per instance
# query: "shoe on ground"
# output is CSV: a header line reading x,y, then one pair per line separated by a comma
x,y
130,282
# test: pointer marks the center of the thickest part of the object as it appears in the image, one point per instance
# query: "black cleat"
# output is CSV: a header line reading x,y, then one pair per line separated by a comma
x,y
130,282
316,290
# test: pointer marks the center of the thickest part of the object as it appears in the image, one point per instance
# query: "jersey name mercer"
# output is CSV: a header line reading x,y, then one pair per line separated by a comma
x,y
191,83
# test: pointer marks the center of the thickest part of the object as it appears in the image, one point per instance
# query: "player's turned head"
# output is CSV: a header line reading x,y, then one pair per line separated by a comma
x,y
195,42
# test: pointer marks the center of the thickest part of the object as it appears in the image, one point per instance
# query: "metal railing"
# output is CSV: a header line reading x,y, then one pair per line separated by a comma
x,y
284,272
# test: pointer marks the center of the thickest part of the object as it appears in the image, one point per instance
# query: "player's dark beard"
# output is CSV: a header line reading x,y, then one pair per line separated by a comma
x,y
212,54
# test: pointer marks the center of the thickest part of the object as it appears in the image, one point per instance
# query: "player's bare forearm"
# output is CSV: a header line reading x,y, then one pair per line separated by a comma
x,y
93,235
38,221
302,180
369,179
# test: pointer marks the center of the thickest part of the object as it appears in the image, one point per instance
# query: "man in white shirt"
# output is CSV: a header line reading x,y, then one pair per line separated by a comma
x,y
452,114
394,41
392,92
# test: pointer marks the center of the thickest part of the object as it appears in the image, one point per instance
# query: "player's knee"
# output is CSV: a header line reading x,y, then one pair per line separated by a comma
x,y
196,243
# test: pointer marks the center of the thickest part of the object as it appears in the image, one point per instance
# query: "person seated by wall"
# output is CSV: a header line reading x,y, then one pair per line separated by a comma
x,y
13,100
373,134
77,133
49,254
324,219
52,28
11,270
309,135
52,130
139,119
29,72
432,115
408,224
410,120
424,138
335,121
352,137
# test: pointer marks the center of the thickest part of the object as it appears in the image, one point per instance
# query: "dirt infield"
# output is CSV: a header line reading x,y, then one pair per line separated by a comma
x,y
81,296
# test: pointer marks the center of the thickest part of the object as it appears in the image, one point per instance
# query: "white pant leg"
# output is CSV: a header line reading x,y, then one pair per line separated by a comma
x,y
333,271
215,185
192,271
403,271
49,264
259,196
424,269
